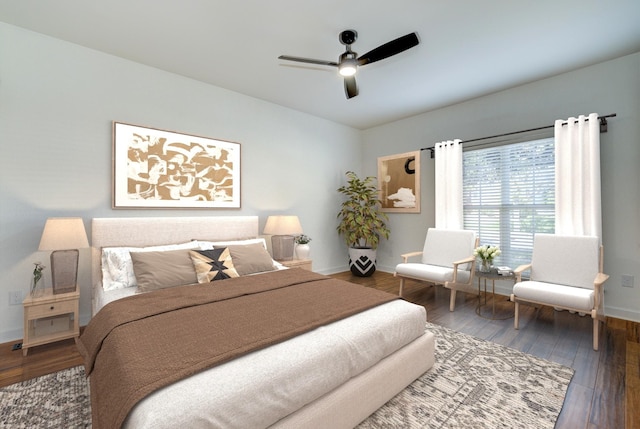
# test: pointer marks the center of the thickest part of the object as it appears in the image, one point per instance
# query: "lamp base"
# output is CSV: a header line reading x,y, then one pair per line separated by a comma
x,y
282,247
64,270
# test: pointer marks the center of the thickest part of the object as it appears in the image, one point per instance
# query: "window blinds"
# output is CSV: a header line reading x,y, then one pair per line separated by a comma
x,y
508,196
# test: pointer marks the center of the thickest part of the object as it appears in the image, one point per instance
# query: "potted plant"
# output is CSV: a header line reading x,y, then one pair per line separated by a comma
x,y
302,246
362,223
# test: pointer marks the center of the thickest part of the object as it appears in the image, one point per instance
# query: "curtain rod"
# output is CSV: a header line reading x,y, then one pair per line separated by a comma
x,y
603,129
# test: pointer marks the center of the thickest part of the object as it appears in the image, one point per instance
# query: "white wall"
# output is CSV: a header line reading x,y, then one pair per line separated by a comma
x,y
610,87
57,103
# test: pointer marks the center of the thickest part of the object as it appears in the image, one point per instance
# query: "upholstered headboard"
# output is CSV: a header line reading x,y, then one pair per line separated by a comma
x,y
154,231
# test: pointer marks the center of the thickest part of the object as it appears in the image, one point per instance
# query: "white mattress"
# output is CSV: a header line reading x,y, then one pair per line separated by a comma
x,y
257,390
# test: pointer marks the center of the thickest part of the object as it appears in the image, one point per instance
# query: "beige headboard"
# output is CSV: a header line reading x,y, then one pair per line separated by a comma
x,y
153,231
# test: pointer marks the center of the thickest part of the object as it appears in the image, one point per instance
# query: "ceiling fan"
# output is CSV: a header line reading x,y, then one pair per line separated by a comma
x,y
349,61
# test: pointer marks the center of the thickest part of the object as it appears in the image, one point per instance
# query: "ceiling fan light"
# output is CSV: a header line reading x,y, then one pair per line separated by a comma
x,y
347,68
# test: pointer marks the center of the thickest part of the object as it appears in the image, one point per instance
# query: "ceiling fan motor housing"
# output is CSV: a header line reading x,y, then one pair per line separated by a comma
x,y
348,37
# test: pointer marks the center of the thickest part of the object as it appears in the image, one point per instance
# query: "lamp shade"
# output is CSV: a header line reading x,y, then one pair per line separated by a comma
x,y
63,234
283,225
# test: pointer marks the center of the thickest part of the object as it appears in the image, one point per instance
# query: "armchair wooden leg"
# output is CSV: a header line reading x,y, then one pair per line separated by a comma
x,y
452,301
596,332
516,315
401,286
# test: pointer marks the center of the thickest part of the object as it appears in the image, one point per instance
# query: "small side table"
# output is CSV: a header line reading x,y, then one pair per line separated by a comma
x,y
305,264
49,318
492,276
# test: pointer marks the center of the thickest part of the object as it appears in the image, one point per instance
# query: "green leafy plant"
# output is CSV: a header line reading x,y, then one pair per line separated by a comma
x,y
302,239
37,275
362,223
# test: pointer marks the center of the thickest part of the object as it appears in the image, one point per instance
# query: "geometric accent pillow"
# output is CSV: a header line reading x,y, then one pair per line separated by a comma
x,y
215,264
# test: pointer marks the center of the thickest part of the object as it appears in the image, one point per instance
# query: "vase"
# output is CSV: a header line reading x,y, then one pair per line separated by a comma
x,y
485,266
362,261
302,251
36,287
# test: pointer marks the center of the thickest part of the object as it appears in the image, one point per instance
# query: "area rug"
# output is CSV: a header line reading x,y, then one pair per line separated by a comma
x,y
473,384
478,384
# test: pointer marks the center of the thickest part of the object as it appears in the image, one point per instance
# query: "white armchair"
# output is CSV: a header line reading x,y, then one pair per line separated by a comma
x,y
566,273
446,259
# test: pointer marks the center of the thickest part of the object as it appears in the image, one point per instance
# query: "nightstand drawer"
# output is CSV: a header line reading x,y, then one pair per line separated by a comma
x,y
51,309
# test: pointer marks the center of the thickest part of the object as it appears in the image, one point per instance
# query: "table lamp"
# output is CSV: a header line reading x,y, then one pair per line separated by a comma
x,y
64,236
283,230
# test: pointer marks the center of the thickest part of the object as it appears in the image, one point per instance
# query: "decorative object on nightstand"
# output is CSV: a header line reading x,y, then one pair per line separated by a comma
x,y
283,230
302,246
37,282
64,236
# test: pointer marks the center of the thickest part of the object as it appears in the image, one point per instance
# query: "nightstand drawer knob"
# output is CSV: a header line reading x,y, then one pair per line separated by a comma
x,y
52,307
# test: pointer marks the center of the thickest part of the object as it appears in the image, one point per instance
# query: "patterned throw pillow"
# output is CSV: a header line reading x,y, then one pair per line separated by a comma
x,y
215,264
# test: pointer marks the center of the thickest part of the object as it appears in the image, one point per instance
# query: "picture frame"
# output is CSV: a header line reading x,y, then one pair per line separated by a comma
x,y
399,182
154,168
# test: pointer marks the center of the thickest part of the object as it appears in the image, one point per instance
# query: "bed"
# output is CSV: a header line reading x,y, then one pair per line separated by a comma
x,y
334,375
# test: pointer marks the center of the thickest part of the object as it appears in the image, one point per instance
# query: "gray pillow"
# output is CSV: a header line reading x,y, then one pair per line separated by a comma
x,y
251,258
159,270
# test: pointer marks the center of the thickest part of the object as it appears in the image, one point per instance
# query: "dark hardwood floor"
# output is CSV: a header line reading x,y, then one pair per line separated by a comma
x,y
604,392
605,389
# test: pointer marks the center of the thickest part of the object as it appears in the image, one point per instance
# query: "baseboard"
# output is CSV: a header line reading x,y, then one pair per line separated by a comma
x,y
621,313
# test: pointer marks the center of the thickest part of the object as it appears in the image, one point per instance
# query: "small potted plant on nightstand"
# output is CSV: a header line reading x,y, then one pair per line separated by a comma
x,y
302,246
362,223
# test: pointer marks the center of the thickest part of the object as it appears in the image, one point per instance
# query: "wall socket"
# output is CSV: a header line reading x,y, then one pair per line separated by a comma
x,y
627,280
15,297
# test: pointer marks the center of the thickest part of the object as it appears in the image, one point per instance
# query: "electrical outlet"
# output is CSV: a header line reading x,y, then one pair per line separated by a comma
x,y
15,297
627,280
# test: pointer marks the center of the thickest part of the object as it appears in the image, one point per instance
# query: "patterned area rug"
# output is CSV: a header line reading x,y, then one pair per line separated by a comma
x,y
58,400
478,384
473,384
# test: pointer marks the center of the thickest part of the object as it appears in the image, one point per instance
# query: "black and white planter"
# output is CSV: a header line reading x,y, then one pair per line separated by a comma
x,y
362,261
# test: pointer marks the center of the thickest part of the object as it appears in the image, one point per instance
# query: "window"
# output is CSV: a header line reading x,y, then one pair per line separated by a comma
x,y
508,195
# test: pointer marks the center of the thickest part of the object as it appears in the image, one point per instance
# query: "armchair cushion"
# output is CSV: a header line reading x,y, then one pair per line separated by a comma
x,y
556,295
432,273
565,260
442,247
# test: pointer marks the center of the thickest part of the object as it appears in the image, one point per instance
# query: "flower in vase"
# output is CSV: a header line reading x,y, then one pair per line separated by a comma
x,y
487,252
302,239
37,275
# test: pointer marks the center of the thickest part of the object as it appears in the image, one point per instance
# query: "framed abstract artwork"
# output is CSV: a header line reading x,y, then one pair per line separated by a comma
x,y
399,182
155,168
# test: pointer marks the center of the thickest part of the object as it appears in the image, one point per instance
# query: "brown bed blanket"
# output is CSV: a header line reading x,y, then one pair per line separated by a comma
x,y
139,344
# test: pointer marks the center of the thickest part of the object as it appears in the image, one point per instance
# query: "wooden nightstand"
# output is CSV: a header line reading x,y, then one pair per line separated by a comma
x,y
49,318
305,264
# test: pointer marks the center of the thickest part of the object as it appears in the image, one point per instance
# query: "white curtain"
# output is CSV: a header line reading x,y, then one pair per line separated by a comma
x,y
448,195
578,200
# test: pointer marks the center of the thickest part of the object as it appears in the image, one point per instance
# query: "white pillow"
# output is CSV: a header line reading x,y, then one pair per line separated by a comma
x,y
208,245
117,266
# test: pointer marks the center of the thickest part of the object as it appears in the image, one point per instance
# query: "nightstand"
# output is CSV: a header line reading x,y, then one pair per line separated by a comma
x,y
49,318
305,264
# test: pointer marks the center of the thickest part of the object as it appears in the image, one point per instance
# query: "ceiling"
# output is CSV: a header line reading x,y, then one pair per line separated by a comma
x,y
468,48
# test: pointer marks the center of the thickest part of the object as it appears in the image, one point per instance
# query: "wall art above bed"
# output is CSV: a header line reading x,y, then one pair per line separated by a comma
x,y
155,168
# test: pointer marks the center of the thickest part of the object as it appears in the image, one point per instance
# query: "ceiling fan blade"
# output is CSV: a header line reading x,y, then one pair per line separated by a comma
x,y
350,87
389,49
308,60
